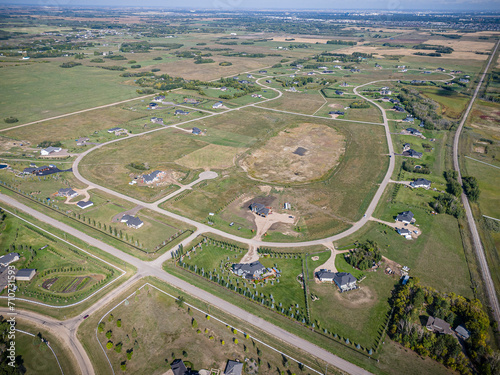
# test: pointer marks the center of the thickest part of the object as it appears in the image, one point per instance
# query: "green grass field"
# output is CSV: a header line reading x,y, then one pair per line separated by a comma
x,y
41,90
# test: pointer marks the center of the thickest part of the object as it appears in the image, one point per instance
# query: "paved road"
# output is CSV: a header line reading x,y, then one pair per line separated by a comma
x,y
65,332
154,269
478,247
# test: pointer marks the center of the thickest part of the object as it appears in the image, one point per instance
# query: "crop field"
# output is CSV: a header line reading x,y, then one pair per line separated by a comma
x,y
56,263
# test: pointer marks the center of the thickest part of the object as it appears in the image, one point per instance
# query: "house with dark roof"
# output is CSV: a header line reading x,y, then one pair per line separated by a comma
x,y
324,275
409,119
159,98
437,325
249,271
412,154
196,131
152,177
259,209
345,281
132,221
338,92
462,332
153,105
413,131
421,183
9,258
397,108
404,232
233,368
406,146
115,130
4,277
156,120
180,112
340,113
179,368
85,204
394,101
405,217
67,192
25,274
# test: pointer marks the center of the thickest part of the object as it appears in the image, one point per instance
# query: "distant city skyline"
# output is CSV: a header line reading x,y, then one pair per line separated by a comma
x,y
386,5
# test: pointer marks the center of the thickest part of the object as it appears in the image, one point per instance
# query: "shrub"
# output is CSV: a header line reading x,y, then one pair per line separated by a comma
x,y
109,345
109,334
135,66
225,63
158,58
119,323
11,120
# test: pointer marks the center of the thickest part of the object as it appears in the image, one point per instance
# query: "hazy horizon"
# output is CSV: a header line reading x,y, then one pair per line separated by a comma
x,y
277,5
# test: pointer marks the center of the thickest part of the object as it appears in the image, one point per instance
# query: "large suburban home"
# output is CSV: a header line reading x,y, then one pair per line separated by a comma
x,y
413,131
132,221
9,258
249,270
179,368
345,281
25,274
67,192
412,154
152,177
233,368
196,131
438,326
421,183
50,150
404,232
398,108
259,209
338,92
405,217
115,130
85,204
462,332
325,275
217,105
181,112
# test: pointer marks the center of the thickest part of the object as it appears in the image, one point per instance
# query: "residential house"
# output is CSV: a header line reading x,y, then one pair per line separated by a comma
x,y
179,368
324,275
50,150
405,217
67,192
196,131
409,119
340,113
405,279
406,146
249,76
249,271
438,326
385,92
404,232
287,206
421,183
413,131
244,82
37,170
441,70
412,154
268,81
9,258
327,71
152,177
344,84
233,368
462,332
259,209
4,277
191,101
115,130
338,92
397,108
132,221
157,120
223,88
293,89
345,281
463,80
394,101
217,105
262,71
153,105
180,112
25,274
337,67
82,141
159,98
85,204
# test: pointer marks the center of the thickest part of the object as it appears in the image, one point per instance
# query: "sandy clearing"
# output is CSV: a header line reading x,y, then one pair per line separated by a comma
x,y
251,256
264,223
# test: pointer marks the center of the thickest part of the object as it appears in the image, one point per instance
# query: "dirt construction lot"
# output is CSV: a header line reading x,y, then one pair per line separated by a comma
x,y
300,154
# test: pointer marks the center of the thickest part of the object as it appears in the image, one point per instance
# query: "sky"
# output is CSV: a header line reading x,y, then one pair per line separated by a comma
x,y
333,5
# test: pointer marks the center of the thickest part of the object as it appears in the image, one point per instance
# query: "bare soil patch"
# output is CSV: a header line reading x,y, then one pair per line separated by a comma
x,y
479,149
277,161
335,106
48,283
357,298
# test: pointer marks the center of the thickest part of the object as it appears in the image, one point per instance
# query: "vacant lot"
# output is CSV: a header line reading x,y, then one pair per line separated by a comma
x,y
300,102
300,154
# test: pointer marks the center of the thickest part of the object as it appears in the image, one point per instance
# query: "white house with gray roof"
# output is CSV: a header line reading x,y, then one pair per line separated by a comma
x,y
132,221
345,281
249,270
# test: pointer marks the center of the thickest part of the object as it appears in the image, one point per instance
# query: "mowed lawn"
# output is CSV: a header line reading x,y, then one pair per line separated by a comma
x,y
41,90
488,178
